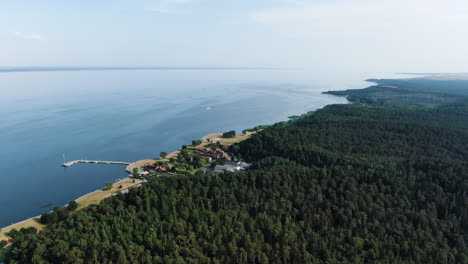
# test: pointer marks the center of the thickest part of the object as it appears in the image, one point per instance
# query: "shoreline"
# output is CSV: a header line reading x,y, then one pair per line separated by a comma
x,y
94,197
30,221
97,196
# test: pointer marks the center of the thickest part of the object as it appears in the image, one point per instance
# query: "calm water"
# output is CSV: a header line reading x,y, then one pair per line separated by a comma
x,y
128,116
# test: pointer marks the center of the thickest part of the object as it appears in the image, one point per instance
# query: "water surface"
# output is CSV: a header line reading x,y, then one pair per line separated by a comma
x,y
127,116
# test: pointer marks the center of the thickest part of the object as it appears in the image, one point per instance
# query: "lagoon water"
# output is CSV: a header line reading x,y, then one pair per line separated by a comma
x,y
128,115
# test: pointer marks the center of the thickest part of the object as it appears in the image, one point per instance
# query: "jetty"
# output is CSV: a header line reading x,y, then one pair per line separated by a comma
x,y
70,163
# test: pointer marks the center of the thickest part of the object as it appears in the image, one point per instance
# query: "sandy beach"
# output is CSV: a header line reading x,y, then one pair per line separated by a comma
x,y
31,222
141,163
83,201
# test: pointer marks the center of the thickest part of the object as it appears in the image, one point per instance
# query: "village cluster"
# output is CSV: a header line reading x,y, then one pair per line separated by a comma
x,y
210,157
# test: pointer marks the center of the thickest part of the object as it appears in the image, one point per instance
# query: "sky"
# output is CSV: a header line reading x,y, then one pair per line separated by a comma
x,y
345,35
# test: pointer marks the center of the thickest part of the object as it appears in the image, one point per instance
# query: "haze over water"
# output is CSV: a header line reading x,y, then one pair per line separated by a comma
x,y
128,116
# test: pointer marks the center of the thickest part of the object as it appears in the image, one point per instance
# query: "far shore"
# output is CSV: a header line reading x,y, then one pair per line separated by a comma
x,y
97,196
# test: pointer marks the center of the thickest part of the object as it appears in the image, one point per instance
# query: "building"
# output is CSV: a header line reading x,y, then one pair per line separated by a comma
x,y
208,159
222,168
231,166
160,169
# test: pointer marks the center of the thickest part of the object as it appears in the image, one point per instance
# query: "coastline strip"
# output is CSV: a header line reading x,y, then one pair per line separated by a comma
x,y
96,196
84,201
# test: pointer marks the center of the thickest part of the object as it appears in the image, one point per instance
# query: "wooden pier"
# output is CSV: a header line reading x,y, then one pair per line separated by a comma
x,y
70,163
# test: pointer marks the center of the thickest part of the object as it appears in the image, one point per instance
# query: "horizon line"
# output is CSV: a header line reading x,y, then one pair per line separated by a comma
x,y
115,68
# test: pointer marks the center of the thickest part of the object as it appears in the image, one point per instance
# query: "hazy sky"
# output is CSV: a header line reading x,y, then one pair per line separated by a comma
x,y
351,35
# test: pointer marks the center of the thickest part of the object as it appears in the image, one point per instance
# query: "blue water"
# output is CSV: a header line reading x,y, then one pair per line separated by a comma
x,y
128,116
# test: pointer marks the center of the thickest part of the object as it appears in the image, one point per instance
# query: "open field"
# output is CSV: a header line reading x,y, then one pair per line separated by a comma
x,y
218,137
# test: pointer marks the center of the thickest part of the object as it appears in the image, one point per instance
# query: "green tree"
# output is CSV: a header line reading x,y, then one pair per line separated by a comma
x,y
49,218
108,186
62,213
229,134
72,205
196,142
136,173
29,230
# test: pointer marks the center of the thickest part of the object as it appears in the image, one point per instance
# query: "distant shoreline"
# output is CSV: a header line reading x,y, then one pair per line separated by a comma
x,y
108,68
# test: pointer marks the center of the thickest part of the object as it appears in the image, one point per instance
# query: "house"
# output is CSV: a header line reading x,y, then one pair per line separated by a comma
x,y
209,150
160,169
231,163
221,168
212,154
149,166
231,166
191,158
208,159
242,165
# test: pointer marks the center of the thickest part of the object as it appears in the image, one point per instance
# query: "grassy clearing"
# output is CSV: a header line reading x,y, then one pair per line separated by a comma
x,y
218,137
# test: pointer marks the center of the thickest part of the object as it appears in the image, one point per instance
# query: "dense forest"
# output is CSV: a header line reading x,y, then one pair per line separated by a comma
x,y
409,91
381,180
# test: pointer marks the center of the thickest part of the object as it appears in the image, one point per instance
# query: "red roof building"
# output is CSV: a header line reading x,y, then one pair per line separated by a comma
x,y
160,169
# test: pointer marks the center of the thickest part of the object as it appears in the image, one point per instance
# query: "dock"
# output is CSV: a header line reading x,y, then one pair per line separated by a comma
x,y
70,163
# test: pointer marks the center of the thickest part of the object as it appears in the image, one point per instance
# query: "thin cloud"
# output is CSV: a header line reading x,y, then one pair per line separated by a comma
x,y
418,33
365,15
160,10
29,36
168,6
180,1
